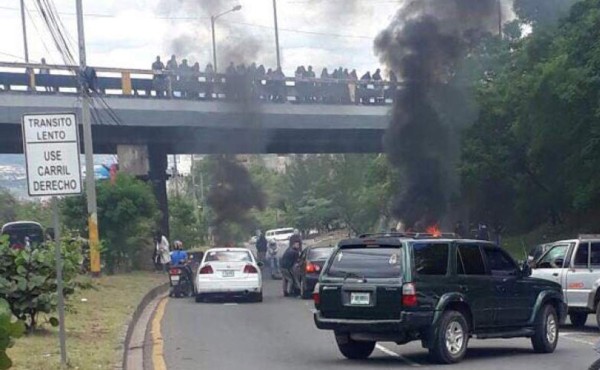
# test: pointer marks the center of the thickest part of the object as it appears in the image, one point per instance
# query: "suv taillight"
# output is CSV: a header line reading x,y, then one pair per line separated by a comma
x,y
409,295
206,270
316,298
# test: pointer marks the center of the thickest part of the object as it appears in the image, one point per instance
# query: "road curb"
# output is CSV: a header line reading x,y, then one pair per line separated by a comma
x,y
131,324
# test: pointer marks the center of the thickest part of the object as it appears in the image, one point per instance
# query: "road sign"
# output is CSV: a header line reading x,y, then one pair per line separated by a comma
x,y
51,144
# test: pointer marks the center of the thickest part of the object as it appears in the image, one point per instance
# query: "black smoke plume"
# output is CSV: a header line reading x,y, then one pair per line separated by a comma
x,y
232,195
243,44
424,45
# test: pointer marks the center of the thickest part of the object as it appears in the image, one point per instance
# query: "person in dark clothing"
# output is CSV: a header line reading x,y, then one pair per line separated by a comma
x,y
482,232
172,67
290,256
185,72
279,84
286,265
261,74
209,71
365,80
377,75
460,230
296,238
158,79
230,77
261,246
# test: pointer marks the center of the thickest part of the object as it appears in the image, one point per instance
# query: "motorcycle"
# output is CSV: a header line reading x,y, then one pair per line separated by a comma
x,y
180,281
596,364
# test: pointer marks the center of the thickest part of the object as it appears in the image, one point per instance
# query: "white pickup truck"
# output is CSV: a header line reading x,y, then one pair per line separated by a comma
x,y
575,265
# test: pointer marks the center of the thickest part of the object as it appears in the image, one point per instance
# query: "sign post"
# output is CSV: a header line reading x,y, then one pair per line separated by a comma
x,y
51,146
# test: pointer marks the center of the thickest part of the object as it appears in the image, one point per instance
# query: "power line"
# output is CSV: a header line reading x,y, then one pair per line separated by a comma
x,y
12,55
289,30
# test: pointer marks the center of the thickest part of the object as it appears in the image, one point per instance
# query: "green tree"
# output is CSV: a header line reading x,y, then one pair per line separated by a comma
x,y
542,12
185,225
28,279
127,215
8,207
9,331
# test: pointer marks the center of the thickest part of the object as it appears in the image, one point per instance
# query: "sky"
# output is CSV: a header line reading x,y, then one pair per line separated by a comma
x,y
131,33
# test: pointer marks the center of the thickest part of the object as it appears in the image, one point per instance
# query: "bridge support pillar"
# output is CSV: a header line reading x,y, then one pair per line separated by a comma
x,y
157,157
150,164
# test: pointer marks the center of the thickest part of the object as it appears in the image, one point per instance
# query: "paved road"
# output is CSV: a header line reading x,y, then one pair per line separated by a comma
x,y
279,334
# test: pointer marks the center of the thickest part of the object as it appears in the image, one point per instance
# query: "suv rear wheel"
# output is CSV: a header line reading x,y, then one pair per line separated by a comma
x,y
545,338
450,343
578,319
352,349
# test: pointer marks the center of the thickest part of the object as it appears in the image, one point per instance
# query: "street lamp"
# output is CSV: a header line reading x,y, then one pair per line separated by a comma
x,y
212,24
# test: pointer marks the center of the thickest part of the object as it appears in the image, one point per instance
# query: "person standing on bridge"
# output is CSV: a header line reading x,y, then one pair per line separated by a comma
x,y
172,67
158,78
209,72
45,71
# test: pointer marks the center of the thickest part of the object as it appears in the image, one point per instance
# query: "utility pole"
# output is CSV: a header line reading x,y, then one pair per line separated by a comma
x,y
276,34
499,18
214,43
25,48
213,19
90,179
176,174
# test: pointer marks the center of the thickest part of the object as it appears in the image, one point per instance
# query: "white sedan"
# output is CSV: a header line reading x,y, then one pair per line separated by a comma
x,y
229,272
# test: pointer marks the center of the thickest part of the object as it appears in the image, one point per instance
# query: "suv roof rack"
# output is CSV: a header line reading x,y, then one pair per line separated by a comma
x,y
588,236
412,235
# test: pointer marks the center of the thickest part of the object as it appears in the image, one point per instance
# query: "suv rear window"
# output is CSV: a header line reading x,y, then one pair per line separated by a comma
x,y
431,258
366,262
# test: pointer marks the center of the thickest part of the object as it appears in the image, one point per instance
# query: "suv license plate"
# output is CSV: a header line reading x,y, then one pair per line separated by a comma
x,y
228,273
360,299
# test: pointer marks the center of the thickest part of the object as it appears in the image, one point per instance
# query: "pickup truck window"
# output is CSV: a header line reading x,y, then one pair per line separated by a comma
x,y
582,255
595,254
469,260
499,263
556,253
431,258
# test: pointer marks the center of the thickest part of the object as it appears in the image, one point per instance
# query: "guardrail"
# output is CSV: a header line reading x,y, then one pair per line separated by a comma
x,y
61,79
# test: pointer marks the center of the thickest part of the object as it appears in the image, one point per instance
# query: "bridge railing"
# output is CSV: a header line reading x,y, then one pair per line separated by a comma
x,y
61,79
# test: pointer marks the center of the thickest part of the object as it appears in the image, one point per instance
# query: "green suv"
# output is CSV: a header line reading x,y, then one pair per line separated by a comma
x,y
439,291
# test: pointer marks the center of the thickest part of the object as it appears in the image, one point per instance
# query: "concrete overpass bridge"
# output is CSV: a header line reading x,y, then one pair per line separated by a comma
x,y
144,115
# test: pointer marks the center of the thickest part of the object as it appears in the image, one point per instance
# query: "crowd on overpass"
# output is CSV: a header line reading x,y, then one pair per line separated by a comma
x,y
255,82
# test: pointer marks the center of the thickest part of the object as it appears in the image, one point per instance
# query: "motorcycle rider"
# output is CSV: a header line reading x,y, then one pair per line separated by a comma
x,y
179,258
272,257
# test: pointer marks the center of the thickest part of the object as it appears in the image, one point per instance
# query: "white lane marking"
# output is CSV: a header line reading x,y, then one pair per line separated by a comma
x,y
568,336
230,304
397,355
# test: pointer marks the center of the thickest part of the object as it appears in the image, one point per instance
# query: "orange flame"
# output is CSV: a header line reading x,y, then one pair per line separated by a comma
x,y
434,230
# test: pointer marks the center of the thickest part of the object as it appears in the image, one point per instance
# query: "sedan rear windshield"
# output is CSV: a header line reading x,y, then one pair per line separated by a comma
x,y
317,254
366,262
228,256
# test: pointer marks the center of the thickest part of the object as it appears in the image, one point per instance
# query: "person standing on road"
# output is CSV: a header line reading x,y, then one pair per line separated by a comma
x,y
296,238
261,246
286,264
273,259
163,250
